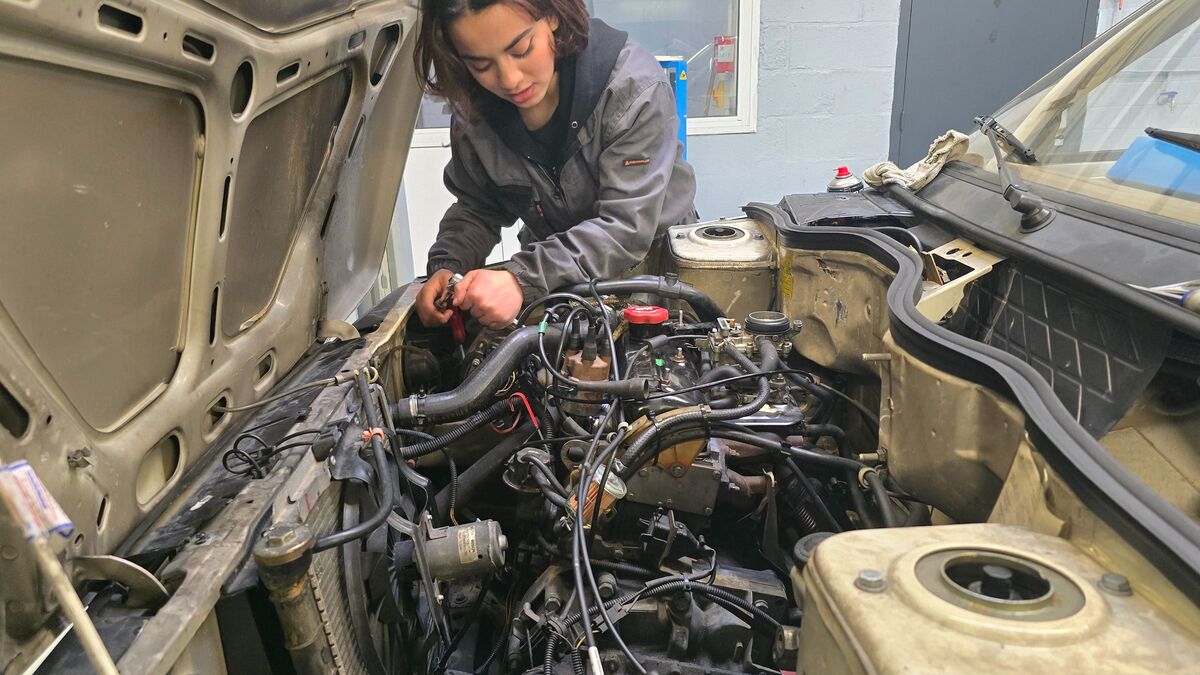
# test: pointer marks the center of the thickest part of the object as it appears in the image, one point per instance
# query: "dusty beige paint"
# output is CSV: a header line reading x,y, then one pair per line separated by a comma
x,y
907,629
738,275
66,36
948,441
1161,446
842,300
1036,497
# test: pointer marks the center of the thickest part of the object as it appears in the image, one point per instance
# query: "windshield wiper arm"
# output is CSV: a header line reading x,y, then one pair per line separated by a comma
x,y
1034,212
1024,152
1189,141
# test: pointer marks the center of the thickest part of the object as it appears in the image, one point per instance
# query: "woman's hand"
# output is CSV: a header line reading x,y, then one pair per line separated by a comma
x,y
493,297
433,289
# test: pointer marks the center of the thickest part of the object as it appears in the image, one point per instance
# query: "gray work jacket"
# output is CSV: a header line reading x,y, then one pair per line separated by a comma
x,y
592,212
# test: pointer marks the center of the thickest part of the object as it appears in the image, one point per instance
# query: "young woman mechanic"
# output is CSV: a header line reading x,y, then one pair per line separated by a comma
x,y
561,122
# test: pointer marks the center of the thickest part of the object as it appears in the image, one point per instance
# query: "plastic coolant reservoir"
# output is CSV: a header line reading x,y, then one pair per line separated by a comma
x,y
733,261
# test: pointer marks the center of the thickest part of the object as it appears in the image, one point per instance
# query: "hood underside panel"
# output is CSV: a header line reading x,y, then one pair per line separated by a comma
x,y
186,197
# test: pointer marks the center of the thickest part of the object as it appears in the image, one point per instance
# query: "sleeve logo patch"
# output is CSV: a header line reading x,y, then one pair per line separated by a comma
x,y
640,161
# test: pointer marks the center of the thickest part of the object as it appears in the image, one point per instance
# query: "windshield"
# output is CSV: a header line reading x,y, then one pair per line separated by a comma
x,y
1087,120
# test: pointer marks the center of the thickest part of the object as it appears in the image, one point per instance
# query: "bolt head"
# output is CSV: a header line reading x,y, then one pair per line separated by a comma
x,y
871,581
643,472
677,470
1115,584
708,510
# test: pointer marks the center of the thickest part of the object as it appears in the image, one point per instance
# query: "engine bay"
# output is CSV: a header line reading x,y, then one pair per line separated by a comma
x,y
713,457
721,461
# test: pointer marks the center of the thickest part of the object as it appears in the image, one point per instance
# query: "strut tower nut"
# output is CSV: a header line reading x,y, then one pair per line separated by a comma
x,y
871,581
1115,584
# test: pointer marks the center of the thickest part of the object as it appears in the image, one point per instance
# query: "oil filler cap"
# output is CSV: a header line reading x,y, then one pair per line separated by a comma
x,y
647,315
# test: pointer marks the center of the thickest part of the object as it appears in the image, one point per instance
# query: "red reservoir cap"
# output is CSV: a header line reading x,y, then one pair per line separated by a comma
x,y
843,172
647,315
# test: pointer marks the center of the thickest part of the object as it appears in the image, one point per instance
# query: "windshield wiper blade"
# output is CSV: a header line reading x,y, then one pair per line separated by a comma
x,y
1034,212
1183,140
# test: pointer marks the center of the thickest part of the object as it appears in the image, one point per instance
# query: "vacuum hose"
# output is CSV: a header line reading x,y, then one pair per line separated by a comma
x,y
706,309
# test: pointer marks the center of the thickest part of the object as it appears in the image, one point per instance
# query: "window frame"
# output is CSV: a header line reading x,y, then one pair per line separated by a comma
x,y
744,122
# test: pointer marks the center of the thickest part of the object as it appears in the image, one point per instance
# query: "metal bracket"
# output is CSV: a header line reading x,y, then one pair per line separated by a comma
x,y
939,301
145,590
330,328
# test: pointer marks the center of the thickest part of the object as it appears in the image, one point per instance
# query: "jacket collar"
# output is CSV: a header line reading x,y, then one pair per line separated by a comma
x,y
591,70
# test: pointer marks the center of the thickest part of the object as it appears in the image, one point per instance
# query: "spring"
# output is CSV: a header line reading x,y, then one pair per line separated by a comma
x,y
797,510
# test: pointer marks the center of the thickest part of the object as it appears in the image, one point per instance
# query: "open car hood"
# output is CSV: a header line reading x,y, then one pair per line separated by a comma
x,y
190,189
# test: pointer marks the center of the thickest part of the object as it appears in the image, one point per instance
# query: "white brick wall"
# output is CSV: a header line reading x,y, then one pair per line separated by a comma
x,y
826,70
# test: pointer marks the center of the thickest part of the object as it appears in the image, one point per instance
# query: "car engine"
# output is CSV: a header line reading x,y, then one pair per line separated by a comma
x,y
618,486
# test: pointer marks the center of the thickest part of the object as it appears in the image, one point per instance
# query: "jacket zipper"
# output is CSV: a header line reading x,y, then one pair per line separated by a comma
x,y
551,176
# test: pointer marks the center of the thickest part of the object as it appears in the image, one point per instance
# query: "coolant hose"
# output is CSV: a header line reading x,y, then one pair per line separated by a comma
x,y
706,308
639,451
482,384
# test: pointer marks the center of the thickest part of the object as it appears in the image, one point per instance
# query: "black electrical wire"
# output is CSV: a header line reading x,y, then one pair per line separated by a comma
x,y
468,620
856,494
562,344
545,471
812,493
387,488
641,450
581,562
668,585
524,315
456,434
450,465
255,458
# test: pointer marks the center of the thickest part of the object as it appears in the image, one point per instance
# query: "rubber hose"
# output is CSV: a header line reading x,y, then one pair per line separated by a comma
x,y
918,514
481,385
720,373
387,487
637,454
856,494
886,508
457,433
813,388
546,472
484,470
706,308
812,494
549,493
814,457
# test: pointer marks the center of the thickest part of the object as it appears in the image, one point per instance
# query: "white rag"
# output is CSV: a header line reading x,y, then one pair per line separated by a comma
x,y
949,146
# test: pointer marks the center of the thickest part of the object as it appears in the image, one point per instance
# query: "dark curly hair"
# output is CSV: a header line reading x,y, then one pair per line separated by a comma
x,y
443,74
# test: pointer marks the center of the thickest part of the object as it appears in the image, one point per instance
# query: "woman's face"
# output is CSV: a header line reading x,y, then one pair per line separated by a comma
x,y
509,53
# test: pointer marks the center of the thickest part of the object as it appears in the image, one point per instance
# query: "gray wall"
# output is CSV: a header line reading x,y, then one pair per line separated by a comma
x,y
826,72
